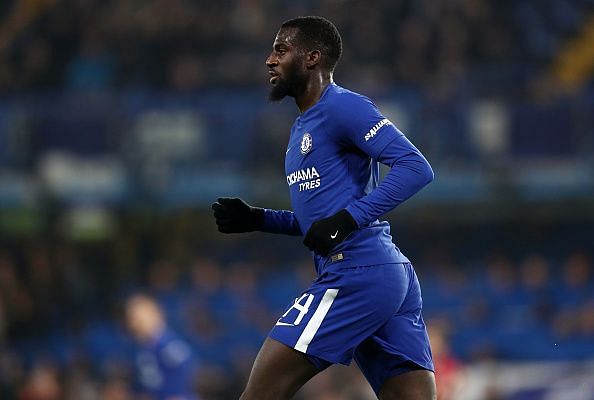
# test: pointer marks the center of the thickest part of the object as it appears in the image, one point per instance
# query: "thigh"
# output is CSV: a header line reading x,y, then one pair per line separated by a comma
x,y
398,347
278,372
340,310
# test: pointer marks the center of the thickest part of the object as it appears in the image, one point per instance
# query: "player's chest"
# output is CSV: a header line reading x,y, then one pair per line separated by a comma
x,y
309,146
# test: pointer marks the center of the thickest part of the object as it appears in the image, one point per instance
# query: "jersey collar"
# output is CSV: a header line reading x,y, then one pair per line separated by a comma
x,y
326,89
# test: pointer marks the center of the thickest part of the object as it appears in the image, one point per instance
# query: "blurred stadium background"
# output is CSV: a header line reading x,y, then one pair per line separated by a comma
x,y
122,120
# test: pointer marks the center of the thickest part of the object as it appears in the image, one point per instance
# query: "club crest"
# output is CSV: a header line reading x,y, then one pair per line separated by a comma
x,y
306,143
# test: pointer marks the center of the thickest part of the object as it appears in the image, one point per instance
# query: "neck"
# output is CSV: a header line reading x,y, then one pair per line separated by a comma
x,y
313,91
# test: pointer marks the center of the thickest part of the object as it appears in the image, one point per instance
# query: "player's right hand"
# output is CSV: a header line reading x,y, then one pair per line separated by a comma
x,y
233,215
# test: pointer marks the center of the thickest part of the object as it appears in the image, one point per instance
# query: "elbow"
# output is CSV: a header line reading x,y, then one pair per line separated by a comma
x,y
429,175
425,171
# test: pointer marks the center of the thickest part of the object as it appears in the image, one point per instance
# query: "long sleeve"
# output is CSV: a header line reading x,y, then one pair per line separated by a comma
x,y
281,221
409,173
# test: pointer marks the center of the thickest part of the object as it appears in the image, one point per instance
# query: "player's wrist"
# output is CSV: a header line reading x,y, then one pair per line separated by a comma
x,y
346,221
355,215
257,218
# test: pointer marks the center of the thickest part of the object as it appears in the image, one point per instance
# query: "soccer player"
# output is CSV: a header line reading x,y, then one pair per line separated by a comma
x,y
365,302
164,363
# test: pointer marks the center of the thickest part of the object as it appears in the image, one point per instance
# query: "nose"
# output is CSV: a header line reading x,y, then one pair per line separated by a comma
x,y
271,61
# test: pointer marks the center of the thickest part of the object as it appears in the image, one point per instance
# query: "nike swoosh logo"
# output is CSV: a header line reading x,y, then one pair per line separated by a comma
x,y
334,236
278,323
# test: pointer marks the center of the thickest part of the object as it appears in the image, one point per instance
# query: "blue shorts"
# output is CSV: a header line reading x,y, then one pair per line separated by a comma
x,y
371,314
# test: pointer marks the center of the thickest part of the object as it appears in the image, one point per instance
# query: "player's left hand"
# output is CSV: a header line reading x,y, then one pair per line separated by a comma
x,y
325,234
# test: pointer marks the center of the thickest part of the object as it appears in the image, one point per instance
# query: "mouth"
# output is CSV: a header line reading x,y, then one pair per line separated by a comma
x,y
273,77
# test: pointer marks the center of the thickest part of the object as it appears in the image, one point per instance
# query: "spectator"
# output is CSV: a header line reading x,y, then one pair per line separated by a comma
x,y
164,362
449,371
41,384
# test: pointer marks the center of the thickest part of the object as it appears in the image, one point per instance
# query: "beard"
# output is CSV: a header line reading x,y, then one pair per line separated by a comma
x,y
280,90
292,84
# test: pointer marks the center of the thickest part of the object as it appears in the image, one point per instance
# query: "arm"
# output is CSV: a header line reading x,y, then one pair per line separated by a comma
x,y
409,173
233,215
281,221
368,130
365,128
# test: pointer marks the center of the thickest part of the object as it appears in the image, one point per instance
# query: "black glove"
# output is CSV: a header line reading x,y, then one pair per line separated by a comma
x,y
326,233
234,215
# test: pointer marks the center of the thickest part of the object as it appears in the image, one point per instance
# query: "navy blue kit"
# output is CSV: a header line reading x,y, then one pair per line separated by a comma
x,y
366,300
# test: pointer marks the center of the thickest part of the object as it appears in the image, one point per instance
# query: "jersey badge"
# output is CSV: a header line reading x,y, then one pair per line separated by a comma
x,y
306,143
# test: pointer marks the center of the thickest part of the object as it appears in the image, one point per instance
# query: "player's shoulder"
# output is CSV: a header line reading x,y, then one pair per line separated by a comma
x,y
341,94
341,98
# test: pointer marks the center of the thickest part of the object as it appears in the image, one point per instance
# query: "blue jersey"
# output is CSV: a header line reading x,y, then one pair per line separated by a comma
x,y
165,368
366,300
332,164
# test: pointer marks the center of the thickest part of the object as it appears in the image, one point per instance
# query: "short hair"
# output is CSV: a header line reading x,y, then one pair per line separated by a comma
x,y
318,33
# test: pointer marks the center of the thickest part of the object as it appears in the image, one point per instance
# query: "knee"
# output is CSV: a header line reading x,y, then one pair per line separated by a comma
x,y
269,394
278,390
414,385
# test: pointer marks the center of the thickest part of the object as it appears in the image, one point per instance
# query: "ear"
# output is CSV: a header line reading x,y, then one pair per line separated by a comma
x,y
312,59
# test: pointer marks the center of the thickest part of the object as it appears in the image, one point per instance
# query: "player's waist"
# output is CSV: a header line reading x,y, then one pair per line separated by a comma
x,y
370,245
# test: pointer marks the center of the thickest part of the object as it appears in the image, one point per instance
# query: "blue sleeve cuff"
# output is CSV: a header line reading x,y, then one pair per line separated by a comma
x,y
356,214
281,221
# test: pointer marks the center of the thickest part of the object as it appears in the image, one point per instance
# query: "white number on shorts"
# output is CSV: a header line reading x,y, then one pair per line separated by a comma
x,y
302,308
